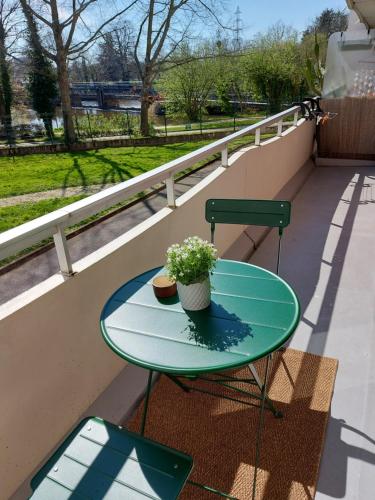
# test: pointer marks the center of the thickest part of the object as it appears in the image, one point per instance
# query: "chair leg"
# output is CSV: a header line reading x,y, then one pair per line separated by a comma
x,y
260,421
211,490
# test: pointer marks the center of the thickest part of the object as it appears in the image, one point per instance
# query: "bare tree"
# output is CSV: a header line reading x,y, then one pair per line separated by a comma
x,y
329,21
115,56
124,44
165,25
69,32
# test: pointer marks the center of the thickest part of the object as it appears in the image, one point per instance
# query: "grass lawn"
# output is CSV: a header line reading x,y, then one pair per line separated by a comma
x,y
211,125
47,166
19,214
34,173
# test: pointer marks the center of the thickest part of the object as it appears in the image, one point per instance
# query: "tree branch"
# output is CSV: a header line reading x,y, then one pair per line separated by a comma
x,y
83,44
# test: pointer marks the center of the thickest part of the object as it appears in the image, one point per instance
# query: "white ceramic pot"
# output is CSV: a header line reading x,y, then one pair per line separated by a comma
x,y
196,296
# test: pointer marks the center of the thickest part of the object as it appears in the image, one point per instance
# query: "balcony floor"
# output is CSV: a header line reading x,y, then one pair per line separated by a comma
x,y
327,256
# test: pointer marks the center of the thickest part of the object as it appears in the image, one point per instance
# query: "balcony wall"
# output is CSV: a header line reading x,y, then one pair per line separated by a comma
x,y
53,361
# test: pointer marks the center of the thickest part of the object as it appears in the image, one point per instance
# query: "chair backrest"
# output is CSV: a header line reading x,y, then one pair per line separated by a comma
x,y
270,213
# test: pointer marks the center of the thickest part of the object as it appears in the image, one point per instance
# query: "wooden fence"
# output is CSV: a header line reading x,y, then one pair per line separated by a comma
x,y
351,134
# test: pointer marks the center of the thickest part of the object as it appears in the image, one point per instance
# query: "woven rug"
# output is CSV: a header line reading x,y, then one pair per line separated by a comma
x,y
220,434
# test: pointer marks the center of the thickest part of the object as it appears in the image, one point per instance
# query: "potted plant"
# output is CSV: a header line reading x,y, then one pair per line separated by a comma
x,y
189,264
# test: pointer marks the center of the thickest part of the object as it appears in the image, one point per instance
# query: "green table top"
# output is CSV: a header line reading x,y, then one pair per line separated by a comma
x,y
252,313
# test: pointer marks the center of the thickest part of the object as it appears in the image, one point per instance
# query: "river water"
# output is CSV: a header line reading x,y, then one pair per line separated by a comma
x,y
24,116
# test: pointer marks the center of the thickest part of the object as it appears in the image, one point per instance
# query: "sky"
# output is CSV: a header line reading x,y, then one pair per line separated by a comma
x,y
258,15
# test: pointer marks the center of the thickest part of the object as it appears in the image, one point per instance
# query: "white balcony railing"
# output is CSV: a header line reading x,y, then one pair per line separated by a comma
x,y
54,223
49,336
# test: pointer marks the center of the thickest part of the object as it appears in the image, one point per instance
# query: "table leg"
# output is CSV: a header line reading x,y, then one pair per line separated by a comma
x,y
147,397
178,382
260,423
259,383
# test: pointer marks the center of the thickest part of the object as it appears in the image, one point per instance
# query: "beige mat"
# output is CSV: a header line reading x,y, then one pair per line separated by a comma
x,y
220,434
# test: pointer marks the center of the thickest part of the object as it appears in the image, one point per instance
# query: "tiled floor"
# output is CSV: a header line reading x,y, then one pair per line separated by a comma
x,y
328,256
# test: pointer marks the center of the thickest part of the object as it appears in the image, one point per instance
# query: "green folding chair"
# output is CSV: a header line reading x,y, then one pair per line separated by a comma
x,y
99,461
269,213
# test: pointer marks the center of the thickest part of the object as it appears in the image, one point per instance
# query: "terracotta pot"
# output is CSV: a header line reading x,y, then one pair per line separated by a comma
x,y
164,287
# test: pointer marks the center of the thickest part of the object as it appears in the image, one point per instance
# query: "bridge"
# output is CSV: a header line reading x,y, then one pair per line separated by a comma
x,y
106,94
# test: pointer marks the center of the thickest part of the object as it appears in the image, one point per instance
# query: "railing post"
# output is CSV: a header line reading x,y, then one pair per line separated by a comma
x,y
257,137
279,128
171,202
295,120
62,251
224,156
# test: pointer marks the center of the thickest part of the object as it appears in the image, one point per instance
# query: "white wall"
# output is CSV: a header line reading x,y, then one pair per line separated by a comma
x,y
53,361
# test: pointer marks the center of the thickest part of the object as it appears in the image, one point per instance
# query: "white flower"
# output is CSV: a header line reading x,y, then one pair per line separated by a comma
x,y
193,256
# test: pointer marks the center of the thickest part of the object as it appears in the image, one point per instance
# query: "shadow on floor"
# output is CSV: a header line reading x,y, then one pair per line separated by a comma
x,y
334,484
313,234
315,249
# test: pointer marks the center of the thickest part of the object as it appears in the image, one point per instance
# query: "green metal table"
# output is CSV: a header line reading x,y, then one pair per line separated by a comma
x,y
253,312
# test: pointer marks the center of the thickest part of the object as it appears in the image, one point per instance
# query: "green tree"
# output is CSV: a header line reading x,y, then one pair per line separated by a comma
x,y
42,88
6,94
314,70
274,67
230,80
187,86
42,80
224,77
308,46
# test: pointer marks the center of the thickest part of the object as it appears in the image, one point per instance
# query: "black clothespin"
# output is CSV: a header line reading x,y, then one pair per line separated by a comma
x,y
305,110
315,105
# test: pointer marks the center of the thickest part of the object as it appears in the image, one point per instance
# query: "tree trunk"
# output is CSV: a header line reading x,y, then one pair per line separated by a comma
x,y
66,105
145,106
62,75
49,127
274,103
145,128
